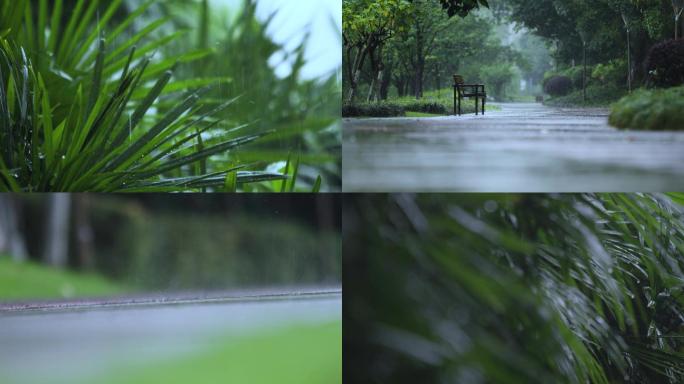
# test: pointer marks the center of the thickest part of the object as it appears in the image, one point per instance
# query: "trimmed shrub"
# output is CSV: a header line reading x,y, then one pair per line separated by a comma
x,y
426,107
613,72
665,63
558,86
575,74
597,96
373,110
660,109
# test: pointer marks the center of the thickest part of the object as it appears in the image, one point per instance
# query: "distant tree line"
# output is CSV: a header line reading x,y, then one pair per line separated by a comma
x,y
181,241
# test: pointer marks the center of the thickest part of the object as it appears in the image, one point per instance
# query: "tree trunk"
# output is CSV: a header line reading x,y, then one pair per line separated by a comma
x,y
584,72
57,231
629,63
419,79
400,83
356,73
371,89
378,83
420,63
385,84
84,231
374,63
11,240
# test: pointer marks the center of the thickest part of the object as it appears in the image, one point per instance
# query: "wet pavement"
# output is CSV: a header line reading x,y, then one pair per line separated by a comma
x,y
525,147
70,344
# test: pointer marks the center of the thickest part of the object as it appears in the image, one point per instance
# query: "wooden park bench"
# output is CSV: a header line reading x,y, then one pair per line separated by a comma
x,y
462,90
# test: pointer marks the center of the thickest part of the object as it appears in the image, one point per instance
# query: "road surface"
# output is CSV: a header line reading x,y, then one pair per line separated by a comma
x,y
72,341
522,148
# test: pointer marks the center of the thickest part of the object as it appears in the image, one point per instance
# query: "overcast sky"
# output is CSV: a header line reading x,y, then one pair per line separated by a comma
x,y
324,51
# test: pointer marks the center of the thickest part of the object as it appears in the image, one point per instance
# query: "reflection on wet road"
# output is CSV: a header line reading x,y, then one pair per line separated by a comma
x,y
71,345
522,148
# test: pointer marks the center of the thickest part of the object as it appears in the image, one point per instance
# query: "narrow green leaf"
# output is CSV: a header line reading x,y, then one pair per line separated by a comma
x,y
317,185
55,24
231,182
295,171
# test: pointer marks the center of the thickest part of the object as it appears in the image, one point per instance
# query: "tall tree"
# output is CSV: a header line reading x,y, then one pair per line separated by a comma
x,y
429,22
366,25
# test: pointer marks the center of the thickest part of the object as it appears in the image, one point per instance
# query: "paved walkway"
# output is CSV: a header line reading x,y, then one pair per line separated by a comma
x,y
53,343
522,148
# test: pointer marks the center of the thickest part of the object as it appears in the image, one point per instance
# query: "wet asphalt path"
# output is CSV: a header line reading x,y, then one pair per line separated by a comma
x,y
522,148
69,342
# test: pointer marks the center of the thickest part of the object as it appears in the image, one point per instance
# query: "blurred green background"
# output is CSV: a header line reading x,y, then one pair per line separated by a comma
x,y
515,288
65,245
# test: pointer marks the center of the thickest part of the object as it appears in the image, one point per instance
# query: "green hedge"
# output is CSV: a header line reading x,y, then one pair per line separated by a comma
x,y
597,96
393,108
427,107
383,109
657,110
198,251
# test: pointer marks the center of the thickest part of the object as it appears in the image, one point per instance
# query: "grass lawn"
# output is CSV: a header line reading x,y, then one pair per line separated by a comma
x,y
301,355
33,281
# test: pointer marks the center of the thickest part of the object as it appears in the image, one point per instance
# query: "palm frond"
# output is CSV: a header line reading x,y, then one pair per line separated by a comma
x,y
516,288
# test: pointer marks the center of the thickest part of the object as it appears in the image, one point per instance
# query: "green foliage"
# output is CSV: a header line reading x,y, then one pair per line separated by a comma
x,y
665,63
605,27
613,72
310,354
514,289
438,102
597,96
199,251
427,107
575,74
302,113
366,18
383,109
88,106
657,110
435,101
462,7
496,77
25,281
558,86
96,147
418,49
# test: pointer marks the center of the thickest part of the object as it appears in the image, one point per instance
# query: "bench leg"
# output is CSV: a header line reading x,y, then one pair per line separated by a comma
x,y
483,105
476,98
459,105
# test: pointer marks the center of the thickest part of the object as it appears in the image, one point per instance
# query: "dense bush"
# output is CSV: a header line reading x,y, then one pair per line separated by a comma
x,y
613,72
373,110
651,110
576,74
496,77
665,63
597,96
212,252
558,86
426,107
